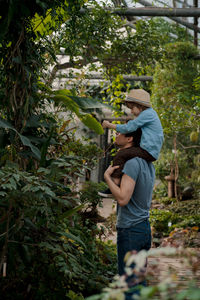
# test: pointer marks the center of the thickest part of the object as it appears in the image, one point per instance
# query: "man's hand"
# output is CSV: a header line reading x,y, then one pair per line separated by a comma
x,y
109,171
107,124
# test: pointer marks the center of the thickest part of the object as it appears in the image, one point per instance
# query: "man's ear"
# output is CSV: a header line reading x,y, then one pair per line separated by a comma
x,y
130,139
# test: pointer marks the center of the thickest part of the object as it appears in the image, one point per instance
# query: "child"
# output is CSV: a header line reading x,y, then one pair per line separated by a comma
x,y
138,101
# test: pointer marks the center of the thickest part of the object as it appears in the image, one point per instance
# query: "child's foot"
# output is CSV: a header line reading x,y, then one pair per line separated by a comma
x,y
105,194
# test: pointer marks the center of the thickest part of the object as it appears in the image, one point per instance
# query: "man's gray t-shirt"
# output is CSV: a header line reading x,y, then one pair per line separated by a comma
x,y
137,209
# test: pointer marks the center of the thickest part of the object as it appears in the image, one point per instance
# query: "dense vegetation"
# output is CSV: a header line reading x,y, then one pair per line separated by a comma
x,y
43,239
50,244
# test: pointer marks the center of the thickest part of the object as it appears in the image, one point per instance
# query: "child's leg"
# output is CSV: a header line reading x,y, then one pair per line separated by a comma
x,y
139,152
118,160
125,154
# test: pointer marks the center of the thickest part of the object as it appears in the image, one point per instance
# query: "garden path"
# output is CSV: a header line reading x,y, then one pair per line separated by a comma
x,y
163,263
106,211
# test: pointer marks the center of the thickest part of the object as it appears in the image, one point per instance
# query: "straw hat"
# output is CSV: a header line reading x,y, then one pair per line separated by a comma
x,y
139,96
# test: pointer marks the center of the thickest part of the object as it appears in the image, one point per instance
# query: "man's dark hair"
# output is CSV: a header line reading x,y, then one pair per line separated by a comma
x,y
136,137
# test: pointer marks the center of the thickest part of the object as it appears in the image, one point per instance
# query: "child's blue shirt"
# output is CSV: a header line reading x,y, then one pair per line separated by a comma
x,y
152,131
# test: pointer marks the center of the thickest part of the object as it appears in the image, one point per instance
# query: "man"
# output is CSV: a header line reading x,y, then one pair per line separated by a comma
x,y
133,203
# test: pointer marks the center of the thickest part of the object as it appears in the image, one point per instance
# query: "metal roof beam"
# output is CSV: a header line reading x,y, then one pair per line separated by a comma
x,y
153,11
177,20
179,1
158,11
100,77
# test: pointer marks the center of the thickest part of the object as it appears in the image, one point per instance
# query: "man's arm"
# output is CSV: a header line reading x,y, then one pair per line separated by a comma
x,y
123,192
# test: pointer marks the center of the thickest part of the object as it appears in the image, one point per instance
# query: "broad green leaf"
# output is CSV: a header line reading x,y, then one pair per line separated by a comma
x,y
5,124
149,291
73,237
71,212
3,194
30,223
42,25
84,102
62,98
92,123
63,92
25,140
66,102
13,183
88,103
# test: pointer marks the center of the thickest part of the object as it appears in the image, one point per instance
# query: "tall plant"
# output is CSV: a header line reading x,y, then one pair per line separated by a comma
x,y
24,27
174,95
38,205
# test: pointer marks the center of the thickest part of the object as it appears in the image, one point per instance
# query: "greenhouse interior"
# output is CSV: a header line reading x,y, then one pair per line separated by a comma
x,y
100,150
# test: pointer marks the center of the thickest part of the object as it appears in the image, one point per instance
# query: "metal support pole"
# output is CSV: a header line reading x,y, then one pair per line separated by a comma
x,y
195,25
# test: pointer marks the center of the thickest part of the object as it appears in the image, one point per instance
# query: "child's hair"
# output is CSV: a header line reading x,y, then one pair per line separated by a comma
x,y
140,106
136,137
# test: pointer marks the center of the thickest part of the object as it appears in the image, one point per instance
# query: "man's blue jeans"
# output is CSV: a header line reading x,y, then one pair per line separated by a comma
x,y
135,238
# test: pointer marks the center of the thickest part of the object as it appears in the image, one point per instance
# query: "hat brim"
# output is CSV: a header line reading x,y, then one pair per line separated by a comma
x,y
138,101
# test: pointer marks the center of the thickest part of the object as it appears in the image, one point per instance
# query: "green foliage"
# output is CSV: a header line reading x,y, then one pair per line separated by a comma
x,y
160,191
134,51
175,98
89,193
100,36
39,206
74,296
195,114
45,238
62,97
175,214
23,58
188,165
29,208
162,220
92,123
25,141
85,35
173,93
37,212
86,150
166,162
170,32
114,94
